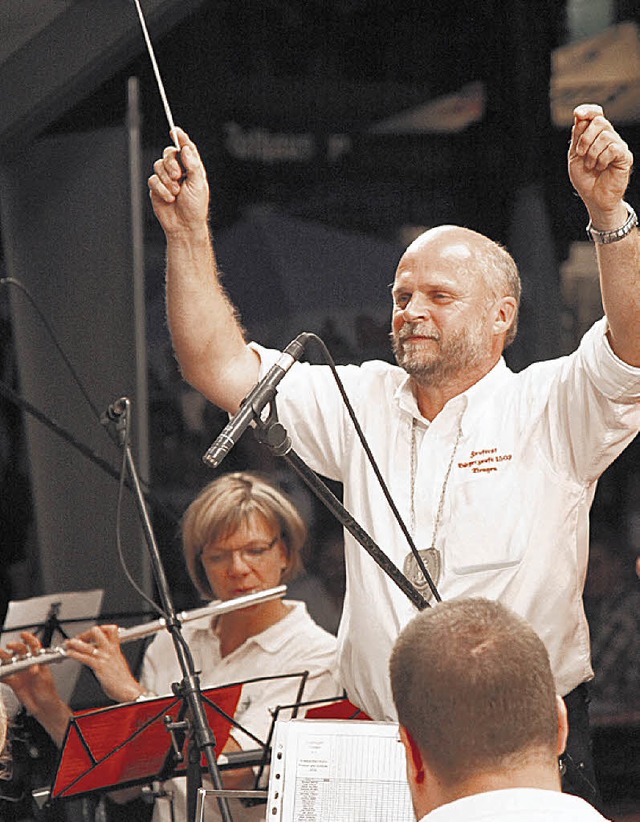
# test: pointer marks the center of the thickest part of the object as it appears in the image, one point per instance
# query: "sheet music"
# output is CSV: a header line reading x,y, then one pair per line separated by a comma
x,y
340,770
66,606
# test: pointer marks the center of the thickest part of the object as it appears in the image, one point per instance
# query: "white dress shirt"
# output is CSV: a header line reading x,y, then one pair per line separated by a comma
x,y
517,804
515,509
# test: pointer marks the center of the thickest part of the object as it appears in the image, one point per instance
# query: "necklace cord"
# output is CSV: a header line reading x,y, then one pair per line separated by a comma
x,y
374,466
445,482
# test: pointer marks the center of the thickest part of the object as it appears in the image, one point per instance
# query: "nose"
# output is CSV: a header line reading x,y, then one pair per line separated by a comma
x,y
237,564
417,308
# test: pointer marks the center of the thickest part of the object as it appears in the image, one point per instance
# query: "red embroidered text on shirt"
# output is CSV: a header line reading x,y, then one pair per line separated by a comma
x,y
485,461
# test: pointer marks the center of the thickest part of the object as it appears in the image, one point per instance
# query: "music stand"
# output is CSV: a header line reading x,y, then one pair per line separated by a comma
x,y
334,709
129,744
330,708
143,742
54,616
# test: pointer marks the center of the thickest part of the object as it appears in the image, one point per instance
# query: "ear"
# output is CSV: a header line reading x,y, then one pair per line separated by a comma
x,y
563,725
415,763
505,311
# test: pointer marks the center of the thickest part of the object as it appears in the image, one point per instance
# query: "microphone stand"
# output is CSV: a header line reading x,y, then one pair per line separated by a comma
x,y
201,737
24,405
271,433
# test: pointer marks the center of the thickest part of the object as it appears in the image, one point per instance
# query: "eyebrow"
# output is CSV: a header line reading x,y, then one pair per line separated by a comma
x,y
396,288
259,542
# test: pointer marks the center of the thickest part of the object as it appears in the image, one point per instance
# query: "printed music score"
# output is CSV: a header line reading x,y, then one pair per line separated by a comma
x,y
341,770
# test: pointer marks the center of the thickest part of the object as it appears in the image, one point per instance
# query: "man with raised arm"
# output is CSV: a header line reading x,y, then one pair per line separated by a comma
x,y
494,472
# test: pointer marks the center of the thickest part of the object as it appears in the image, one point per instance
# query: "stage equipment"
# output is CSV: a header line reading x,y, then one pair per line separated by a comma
x,y
258,410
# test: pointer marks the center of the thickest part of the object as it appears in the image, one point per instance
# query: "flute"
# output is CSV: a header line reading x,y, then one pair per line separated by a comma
x,y
46,656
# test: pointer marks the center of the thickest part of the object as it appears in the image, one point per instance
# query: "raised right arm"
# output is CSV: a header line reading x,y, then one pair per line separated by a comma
x,y
208,339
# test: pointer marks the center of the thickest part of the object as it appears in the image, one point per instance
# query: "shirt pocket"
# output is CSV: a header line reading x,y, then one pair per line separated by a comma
x,y
487,525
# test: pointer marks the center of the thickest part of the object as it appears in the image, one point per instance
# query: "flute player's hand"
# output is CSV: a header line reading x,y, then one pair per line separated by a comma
x,y
99,649
36,689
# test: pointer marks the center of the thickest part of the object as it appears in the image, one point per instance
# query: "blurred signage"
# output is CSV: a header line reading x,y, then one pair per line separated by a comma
x,y
260,145
603,69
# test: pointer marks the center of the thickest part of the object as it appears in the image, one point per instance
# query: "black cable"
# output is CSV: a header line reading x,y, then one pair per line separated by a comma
x,y
121,485
372,461
12,281
30,408
123,427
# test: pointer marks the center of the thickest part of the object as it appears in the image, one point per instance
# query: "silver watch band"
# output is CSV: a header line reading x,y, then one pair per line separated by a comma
x,y
605,237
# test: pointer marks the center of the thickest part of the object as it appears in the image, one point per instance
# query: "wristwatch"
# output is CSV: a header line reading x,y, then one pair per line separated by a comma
x,y
605,237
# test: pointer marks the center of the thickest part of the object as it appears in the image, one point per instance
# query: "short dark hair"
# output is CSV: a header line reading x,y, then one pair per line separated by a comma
x,y
472,684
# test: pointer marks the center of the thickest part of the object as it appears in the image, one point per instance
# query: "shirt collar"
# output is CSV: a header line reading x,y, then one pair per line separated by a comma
x,y
273,638
487,385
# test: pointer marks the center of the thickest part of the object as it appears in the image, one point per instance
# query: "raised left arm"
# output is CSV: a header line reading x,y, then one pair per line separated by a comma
x,y
600,164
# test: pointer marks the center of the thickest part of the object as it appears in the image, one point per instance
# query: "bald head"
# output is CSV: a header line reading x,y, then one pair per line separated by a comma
x,y
476,256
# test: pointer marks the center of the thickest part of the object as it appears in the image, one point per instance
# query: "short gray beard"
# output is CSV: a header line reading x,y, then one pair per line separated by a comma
x,y
461,352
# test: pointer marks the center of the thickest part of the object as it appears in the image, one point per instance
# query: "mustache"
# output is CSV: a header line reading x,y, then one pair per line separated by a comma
x,y
417,330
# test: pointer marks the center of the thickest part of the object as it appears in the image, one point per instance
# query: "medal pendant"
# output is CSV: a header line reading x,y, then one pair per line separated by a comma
x,y
432,562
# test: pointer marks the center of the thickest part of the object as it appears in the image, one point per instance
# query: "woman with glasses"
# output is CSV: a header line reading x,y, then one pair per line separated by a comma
x,y
240,535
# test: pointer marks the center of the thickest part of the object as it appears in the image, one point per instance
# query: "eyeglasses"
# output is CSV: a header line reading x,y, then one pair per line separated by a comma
x,y
252,554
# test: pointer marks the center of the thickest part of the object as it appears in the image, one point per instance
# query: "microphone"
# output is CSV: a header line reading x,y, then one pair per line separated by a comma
x,y
118,413
116,410
254,403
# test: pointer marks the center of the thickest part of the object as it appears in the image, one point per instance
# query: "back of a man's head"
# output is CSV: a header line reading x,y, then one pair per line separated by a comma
x,y
473,686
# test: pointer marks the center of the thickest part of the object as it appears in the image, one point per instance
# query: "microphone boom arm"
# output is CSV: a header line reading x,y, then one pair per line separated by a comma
x,y
251,408
280,443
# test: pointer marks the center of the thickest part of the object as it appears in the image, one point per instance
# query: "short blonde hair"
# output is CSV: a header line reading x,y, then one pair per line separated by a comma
x,y
227,503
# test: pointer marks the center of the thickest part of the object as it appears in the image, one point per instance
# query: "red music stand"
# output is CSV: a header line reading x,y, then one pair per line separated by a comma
x,y
338,709
129,744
